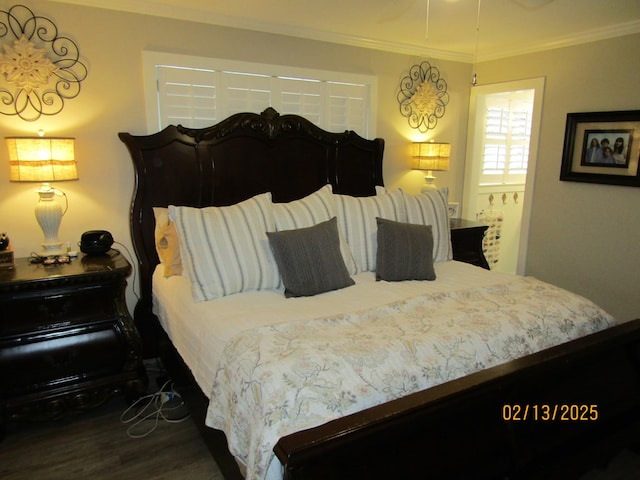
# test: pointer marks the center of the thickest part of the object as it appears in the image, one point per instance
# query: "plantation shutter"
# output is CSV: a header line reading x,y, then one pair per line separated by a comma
x,y
200,97
506,137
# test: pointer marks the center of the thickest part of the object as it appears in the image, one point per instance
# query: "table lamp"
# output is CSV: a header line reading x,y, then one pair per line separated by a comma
x,y
42,159
430,156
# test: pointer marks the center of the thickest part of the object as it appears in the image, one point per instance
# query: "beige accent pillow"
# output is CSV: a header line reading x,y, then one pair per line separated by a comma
x,y
167,243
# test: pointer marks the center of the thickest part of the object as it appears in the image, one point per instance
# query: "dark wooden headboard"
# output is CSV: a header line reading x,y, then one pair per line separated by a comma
x,y
242,156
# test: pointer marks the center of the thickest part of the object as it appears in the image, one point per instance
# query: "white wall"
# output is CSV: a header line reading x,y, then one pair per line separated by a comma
x,y
112,100
584,237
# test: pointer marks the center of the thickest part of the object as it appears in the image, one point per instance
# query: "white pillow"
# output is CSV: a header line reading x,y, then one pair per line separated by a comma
x,y
318,207
431,208
225,250
357,223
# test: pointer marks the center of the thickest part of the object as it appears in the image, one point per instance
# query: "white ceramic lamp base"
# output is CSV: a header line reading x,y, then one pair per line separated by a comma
x,y
429,182
49,215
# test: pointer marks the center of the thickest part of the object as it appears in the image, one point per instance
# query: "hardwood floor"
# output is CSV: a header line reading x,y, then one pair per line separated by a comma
x,y
95,445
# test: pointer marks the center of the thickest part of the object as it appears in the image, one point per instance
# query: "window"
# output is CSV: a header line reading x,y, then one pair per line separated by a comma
x,y
506,137
199,92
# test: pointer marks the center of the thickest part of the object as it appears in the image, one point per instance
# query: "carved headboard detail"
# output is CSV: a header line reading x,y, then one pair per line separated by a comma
x,y
242,156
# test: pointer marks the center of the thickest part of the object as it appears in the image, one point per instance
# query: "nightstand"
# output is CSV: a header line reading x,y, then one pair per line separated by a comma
x,y
466,240
67,341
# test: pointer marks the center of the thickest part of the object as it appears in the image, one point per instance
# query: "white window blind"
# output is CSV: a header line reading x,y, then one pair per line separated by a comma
x,y
199,92
506,138
187,96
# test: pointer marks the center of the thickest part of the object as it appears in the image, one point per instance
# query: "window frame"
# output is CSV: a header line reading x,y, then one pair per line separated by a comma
x,y
511,105
151,60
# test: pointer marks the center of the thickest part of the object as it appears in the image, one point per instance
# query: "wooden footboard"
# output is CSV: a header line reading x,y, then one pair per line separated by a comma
x,y
548,415
500,423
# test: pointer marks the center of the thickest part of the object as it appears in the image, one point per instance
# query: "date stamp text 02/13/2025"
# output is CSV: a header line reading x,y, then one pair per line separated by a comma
x,y
559,412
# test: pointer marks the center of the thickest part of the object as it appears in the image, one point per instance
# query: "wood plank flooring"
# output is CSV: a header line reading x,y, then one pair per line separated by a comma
x,y
95,445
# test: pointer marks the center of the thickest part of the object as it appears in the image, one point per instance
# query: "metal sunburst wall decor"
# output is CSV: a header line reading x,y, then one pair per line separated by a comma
x,y
423,96
41,69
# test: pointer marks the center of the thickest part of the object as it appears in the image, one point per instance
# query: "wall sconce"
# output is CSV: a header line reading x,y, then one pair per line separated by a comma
x,y
40,159
431,156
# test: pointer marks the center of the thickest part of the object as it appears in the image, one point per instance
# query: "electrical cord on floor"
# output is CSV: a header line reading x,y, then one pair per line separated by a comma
x,y
155,407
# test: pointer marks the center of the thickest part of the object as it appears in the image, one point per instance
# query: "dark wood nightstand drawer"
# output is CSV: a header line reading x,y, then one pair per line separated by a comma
x,y
67,341
57,310
54,359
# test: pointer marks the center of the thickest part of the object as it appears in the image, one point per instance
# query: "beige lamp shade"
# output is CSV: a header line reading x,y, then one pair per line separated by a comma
x,y
431,156
41,159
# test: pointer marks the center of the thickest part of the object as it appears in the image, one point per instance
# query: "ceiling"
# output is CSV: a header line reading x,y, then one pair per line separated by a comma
x,y
461,30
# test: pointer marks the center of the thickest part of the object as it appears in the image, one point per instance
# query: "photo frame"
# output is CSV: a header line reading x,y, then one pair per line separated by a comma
x,y
602,147
454,209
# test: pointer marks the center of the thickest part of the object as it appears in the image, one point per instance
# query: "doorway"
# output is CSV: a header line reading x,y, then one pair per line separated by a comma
x,y
502,148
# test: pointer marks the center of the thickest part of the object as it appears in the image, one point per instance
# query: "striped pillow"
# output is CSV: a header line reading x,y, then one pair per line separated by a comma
x,y
318,207
431,208
357,223
225,250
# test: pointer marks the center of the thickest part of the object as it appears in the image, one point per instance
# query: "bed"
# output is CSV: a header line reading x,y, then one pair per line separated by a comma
x,y
390,362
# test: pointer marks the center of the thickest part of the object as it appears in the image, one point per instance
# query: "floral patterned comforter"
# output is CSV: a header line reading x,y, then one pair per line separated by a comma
x,y
283,378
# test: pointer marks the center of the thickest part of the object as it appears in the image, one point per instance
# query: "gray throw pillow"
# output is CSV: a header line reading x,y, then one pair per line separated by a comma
x,y
309,259
405,251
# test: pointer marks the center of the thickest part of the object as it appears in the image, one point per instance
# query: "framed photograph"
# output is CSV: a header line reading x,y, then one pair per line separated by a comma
x,y
454,209
602,147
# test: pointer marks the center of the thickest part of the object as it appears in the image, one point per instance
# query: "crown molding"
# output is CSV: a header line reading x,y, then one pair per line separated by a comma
x,y
201,15
594,35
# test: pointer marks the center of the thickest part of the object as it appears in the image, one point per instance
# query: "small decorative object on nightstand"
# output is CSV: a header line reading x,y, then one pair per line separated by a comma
x,y
6,252
466,240
67,341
